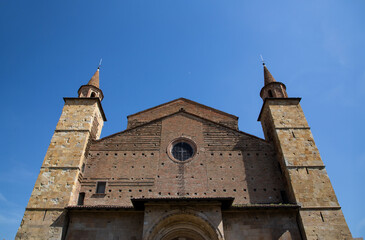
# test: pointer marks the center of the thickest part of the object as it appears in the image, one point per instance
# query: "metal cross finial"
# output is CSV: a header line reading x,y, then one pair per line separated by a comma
x,y
100,63
262,60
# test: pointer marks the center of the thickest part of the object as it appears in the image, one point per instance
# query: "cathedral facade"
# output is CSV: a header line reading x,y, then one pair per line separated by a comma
x,y
183,171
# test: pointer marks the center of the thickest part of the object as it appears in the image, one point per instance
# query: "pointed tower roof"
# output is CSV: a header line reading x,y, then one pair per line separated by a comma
x,y
92,88
267,76
272,88
94,81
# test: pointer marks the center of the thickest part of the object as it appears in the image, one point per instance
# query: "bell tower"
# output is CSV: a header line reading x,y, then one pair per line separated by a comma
x,y
91,89
58,182
308,185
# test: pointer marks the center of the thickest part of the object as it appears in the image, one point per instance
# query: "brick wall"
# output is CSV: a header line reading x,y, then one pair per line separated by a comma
x,y
228,163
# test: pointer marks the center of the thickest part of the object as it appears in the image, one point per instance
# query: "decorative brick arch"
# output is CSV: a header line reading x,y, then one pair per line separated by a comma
x,y
186,223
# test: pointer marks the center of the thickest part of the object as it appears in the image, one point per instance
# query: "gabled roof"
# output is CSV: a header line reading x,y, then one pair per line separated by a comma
x,y
188,101
182,104
181,112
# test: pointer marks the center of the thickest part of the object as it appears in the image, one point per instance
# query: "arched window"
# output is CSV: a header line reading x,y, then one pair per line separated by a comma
x,y
93,94
270,94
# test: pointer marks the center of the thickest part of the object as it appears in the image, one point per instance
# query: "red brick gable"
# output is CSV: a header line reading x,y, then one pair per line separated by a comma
x,y
227,163
153,128
182,104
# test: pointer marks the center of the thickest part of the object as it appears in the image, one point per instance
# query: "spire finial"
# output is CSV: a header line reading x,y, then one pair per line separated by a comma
x,y
262,60
100,63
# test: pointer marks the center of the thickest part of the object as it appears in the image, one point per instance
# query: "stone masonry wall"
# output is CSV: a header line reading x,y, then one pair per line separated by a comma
x,y
58,181
161,218
284,123
107,225
257,225
325,224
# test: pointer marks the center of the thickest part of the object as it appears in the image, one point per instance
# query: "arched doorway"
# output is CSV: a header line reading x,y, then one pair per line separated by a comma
x,y
183,231
183,226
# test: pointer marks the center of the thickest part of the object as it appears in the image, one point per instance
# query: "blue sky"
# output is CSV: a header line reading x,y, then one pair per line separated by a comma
x,y
156,51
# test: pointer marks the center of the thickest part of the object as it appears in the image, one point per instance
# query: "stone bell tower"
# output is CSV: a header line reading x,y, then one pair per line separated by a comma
x,y
308,185
59,179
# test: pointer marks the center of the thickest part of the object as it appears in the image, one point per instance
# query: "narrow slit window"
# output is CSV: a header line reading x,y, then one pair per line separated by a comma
x,y
284,197
81,199
100,188
321,216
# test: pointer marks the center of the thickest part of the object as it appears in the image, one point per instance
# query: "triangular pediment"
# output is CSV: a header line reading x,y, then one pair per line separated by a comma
x,y
182,104
147,135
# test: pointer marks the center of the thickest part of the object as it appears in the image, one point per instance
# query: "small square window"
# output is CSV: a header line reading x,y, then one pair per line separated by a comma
x,y
100,187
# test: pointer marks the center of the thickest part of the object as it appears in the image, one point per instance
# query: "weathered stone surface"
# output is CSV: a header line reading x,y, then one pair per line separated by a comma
x,y
58,182
308,185
105,225
42,224
312,187
325,224
256,225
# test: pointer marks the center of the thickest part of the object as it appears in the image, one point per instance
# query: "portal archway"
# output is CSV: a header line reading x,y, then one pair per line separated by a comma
x,y
186,225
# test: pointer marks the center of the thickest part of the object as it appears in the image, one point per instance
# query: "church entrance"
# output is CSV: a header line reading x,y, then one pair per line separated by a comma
x,y
185,234
183,226
183,231
180,219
